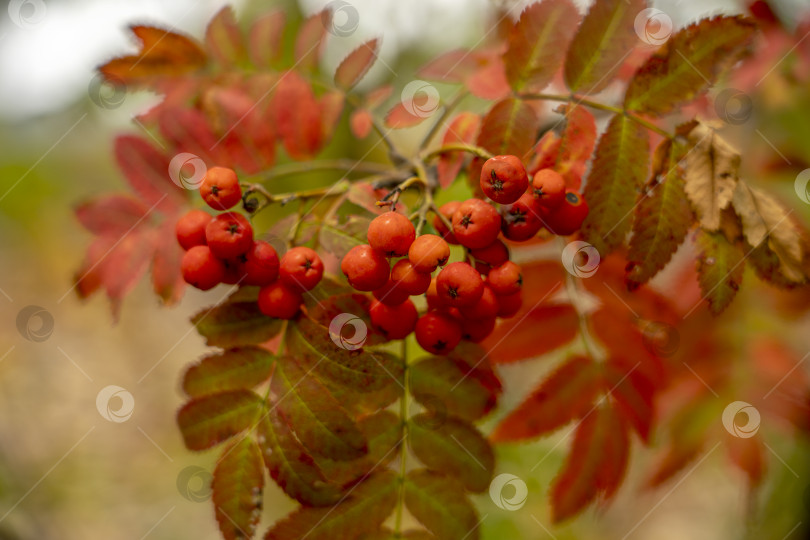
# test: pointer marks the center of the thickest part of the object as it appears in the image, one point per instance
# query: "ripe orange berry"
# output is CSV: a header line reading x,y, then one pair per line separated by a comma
x,y
229,235
568,218
407,278
279,300
438,332
201,268
260,264
548,187
390,294
509,304
220,188
490,256
428,252
485,308
459,284
365,268
301,268
476,224
190,229
392,234
504,179
477,330
395,322
432,296
447,210
523,219
506,279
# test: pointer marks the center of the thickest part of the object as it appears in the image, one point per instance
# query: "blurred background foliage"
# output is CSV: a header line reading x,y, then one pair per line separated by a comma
x,y
67,473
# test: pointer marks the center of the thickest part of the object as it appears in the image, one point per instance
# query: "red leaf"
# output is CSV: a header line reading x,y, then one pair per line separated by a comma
x,y
377,96
309,42
545,152
167,280
595,466
265,40
189,131
360,123
538,42
532,332
633,395
452,66
576,147
147,171
111,214
749,455
297,116
330,106
224,40
566,395
489,82
463,129
399,117
124,266
510,127
356,64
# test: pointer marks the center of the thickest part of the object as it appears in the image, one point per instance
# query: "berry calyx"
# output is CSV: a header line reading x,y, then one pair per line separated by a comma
x,y
447,210
220,188
506,279
190,229
504,179
476,224
459,285
438,332
523,219
428,252
229,235
407,278
392,234
301,268
395,322
201,268
568,218
366,268
548,187
279,300
260,264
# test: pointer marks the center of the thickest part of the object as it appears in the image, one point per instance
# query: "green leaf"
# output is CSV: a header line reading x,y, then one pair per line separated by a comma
x,y
537,43
234,323
363,510
291,466
663,217
619,168
240,367
339,238
688,64
440,504
455,448
356,64
510,127
720,266
237,490
605,38
210,420
321,424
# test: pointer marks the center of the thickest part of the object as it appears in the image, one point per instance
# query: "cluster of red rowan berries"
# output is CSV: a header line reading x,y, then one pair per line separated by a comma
x,y
221,249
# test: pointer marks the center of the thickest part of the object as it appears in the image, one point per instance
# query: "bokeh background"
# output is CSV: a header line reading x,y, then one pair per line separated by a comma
x,y
68,473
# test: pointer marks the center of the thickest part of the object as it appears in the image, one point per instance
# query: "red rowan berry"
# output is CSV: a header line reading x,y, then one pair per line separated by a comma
x,y
201,268
392,234
408,279
365,268
229,235
459,284
390,294
504,179
476,224
490,256
220,188
279,300
477,330
548,187
395,322
190,229
428,252
523,219
438,332
432,296
485,308
447,210
505,279
301,267
260,264
509,304
234,270
568,218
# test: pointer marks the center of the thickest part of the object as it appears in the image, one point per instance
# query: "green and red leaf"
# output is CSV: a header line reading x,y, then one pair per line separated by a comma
x,y
462,129
510,127
233,369
210,420
720,266
440,504
237,490
357,64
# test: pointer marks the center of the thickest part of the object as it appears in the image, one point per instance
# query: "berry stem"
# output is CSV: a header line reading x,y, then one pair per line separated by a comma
x,y
403,455
345,165
393,153
459,147
573,287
